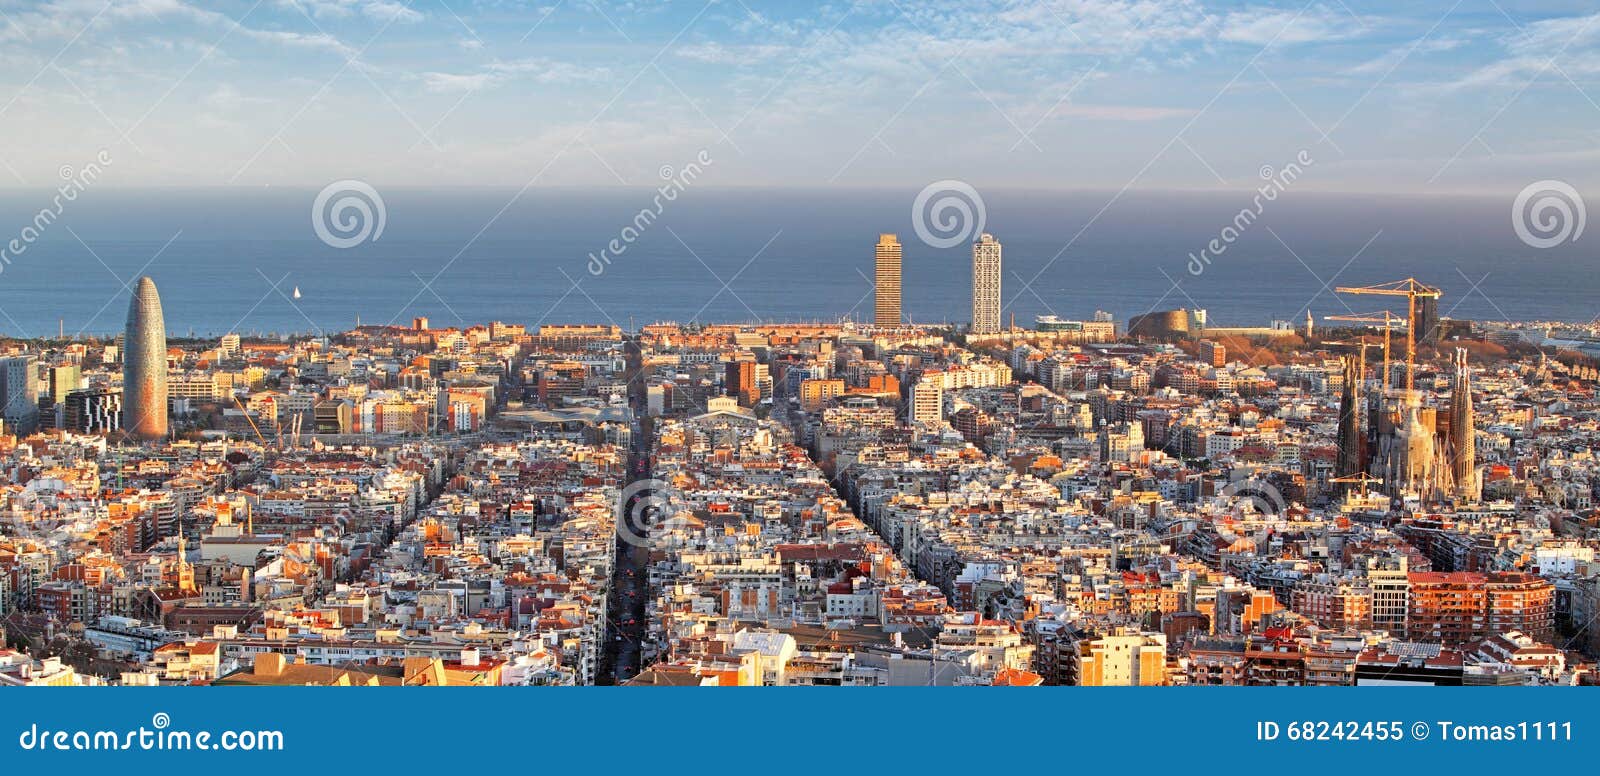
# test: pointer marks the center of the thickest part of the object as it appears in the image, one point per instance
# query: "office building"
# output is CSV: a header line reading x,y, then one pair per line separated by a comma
x,y
986,285
63,380
1097,330
333,416
92,411
815,394
1425,320
19,393
739,381
144,365
887,279
927,403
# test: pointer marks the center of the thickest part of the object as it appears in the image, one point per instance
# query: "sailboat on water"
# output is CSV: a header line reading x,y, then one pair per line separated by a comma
x,y
297,292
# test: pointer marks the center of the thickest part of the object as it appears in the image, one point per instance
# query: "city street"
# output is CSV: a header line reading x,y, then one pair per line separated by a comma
x,y
630,587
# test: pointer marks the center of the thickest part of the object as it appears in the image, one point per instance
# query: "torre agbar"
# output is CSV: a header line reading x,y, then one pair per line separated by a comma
x,y
144,365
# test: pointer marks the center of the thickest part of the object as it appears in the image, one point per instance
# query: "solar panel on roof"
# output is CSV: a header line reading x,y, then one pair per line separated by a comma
x,y
1414,649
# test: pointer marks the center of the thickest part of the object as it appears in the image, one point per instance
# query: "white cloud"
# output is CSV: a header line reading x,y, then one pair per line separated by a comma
x,y
715,53
314,40
1550,36
456,82
1568,43
377,10
540,71
1262,27
1391,59
903,82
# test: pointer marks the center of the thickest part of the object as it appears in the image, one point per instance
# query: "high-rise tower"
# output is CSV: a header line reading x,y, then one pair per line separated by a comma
x,y
1425,319
19,393
887,309
986,285
144,365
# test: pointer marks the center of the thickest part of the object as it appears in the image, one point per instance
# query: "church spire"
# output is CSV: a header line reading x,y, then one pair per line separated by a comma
x,y
1352,438
185,571
1463,431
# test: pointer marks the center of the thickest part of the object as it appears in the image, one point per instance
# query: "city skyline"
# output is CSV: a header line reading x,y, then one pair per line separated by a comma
x,y
481,343
530,345
930,487
1372,448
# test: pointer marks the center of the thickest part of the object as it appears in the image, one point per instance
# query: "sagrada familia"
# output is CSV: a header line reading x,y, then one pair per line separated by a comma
x,y
1417,451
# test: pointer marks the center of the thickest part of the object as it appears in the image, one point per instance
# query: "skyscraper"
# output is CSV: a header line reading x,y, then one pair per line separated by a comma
x,y
739,381
19,393
1425,321
64,379
887,310
92,411
144,365
986,285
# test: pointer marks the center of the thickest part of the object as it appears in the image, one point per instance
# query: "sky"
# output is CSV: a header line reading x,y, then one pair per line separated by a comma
x,y
1476,96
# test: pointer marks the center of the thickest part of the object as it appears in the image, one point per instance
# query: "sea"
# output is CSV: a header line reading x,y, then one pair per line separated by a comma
x,y
251,261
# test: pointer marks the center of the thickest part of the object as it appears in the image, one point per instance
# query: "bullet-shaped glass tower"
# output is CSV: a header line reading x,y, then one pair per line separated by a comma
x,y
144,365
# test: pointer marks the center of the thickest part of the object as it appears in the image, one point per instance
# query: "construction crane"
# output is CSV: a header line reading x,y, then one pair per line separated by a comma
x,y
1360,478
1411,289
1389,323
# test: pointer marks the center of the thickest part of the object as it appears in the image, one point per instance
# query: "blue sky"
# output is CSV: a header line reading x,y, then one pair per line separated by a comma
x,y
1475,96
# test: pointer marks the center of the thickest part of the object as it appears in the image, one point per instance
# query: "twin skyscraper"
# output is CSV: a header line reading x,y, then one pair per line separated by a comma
x,y
985,283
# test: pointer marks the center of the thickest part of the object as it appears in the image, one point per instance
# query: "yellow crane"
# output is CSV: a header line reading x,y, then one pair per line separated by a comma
x,y
1361,478
1411,289
1389,322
